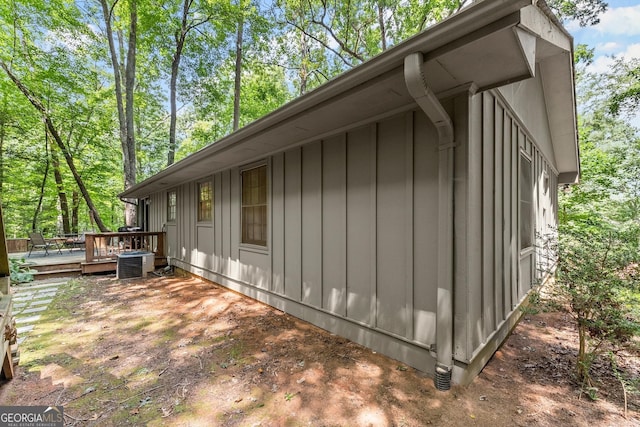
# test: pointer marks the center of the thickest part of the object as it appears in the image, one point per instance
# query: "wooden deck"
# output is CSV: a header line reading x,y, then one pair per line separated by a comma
x,y
100,255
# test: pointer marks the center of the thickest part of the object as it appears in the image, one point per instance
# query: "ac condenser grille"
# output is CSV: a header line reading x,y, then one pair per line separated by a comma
x,y
129,266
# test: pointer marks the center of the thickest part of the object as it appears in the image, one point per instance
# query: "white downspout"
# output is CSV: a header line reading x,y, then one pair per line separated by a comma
x,y
428,102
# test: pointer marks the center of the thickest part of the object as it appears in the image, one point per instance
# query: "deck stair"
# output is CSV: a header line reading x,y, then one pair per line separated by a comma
x,y
48,271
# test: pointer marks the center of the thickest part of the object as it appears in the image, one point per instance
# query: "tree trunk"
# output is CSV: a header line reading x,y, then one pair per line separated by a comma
x,y
383,31
130,81
75,201
56,137
62,195
3,131
238,70
125,105
181,36
4,256
304,68
582,364
36,212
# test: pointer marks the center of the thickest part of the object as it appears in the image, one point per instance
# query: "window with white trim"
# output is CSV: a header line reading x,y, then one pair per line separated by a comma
x,y
172,203
526,203
254,206
205,201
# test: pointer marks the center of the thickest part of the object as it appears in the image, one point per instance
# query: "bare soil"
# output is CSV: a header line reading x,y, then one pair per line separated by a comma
x,y
174,351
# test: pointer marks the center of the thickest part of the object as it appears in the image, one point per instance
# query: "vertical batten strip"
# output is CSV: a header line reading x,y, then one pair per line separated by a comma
x,y
409,229
235,213
488,141
506,212
217,221
373,168
301,230
293,227
497,185
515,226
345,205
277,244
321,148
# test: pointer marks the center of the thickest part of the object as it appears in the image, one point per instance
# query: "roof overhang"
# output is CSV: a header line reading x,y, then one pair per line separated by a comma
x,y
487,45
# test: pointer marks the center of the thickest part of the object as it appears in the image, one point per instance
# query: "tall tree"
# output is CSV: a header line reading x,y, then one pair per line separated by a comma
x,y
238,66
125,104
625,86
62,195
188,22
45,175
53,131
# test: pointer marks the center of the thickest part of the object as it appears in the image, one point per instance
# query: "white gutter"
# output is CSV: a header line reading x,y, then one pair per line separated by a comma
x,y
428,102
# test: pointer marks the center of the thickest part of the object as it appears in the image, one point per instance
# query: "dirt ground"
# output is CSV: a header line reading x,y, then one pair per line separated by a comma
x,y
170,351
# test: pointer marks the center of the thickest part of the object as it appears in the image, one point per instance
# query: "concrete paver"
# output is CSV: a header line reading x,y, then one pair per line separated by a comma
x,y
46,301
34,309
30,302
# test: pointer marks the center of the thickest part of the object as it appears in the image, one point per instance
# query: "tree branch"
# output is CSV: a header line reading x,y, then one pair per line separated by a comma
x,y
324,44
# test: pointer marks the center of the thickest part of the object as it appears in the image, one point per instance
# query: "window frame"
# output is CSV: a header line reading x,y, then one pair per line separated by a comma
x,y
245,241
526,241
200,201
172,209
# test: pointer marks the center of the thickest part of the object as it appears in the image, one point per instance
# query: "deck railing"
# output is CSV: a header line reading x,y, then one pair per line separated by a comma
x,y
107,246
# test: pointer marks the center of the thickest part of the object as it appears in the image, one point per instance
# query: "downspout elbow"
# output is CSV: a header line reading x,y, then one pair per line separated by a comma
x,y
427,100
429,103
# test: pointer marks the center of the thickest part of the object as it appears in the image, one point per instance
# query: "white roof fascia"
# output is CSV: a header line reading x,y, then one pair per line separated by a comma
x,y
556,65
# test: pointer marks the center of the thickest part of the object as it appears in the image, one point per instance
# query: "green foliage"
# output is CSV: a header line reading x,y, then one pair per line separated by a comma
x,y
59,50
625,82
20,273
582,54
599,246
586,12
596,269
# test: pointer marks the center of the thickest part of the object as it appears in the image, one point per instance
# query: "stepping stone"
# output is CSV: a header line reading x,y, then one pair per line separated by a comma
x,y
27,320
34,310
25,329
29,300
40,302
42,285
44,295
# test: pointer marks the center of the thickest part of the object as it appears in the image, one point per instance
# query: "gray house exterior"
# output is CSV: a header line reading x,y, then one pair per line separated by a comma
x,y
399,204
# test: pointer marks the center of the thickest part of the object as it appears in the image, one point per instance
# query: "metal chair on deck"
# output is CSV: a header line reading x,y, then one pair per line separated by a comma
x,y
37,241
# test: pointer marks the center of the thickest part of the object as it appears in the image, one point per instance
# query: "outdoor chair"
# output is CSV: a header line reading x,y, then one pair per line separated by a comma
x,y
75,242
37,241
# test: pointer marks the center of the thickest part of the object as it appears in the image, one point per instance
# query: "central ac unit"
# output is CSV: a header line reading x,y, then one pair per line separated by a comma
x,y
134,264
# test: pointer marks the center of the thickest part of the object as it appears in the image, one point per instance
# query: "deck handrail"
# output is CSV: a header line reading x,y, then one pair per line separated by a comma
x,y
107,246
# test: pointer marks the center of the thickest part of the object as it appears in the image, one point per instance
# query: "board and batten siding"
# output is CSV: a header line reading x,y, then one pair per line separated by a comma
x,y
352,230
493,274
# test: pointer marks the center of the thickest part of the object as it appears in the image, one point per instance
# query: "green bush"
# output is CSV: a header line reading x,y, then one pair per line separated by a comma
x,y
19,272
596,276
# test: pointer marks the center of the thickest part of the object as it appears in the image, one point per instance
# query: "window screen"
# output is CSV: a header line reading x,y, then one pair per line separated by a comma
x,y
526,203
172,199
254,206
205,201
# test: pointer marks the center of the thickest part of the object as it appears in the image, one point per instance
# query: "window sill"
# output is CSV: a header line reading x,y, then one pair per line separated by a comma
x,y
264,250
527,251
